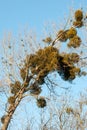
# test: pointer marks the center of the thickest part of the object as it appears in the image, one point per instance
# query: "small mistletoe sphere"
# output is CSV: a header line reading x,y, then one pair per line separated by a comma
x,y
3,119
78,24
35,91
78,15
15,87
47,40
71,32
11,100
41,102
74,42
61,35
69,110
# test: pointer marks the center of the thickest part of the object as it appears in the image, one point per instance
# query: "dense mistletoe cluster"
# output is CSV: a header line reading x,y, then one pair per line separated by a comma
x,y
48,60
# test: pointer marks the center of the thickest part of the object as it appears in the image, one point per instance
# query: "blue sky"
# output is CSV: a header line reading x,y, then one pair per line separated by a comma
x,y
15,14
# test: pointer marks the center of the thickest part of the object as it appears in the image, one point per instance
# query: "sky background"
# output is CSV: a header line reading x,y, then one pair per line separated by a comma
x,y
16,14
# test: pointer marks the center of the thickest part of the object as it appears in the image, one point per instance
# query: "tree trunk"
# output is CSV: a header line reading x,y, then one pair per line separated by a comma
x,y
12,110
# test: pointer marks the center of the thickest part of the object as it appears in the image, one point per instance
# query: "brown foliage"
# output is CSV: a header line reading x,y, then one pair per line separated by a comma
x,y
74,42
78,15
11,100
41,102
71,33
62,35
15,87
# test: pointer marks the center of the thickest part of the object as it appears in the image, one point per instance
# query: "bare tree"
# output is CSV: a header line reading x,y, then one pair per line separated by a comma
x,y
26,72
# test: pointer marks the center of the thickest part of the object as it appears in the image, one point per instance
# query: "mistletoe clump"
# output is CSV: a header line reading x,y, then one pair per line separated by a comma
x,y
47,60
35,89
71,32
78,19
42,62
70,58
69,110
74,42
15,87
78,15
47,40
11,100
67,69
62,36
73,58
41,102
78,24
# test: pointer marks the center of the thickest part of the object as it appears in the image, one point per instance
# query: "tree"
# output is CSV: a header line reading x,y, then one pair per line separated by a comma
x,y
66,113
32,70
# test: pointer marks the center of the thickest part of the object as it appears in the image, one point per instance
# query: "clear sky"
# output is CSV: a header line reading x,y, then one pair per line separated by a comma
x,y
15,14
